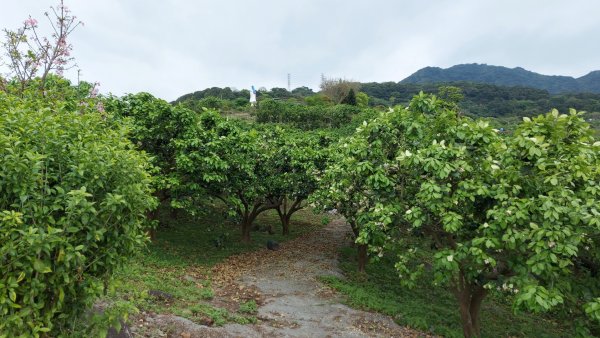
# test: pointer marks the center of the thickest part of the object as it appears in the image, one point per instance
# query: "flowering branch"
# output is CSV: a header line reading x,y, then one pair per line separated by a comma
x,y
31,54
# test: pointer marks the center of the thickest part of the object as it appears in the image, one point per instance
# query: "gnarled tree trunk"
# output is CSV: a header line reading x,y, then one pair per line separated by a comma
x,y
470,297
249,214
285,212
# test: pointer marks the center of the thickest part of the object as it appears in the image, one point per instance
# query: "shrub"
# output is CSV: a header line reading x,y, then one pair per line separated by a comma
x,y
73,198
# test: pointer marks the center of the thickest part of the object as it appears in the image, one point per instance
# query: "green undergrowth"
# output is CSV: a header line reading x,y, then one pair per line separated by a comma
x,y
428,308
178,263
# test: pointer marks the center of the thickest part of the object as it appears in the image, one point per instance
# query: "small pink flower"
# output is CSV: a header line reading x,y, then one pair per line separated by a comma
x,y
31,22
100,107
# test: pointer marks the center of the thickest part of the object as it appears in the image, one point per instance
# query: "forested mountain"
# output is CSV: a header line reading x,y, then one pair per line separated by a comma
x,y
478,99
497,75
486,99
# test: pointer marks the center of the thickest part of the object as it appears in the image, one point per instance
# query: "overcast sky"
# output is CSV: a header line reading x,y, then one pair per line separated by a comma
x,y
173,47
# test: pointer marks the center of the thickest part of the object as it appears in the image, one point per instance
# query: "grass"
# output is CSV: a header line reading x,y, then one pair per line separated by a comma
x,y
431,309
249,307
179,262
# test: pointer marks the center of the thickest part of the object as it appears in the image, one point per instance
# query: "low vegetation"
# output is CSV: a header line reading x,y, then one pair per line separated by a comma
x,y
174,274
432,309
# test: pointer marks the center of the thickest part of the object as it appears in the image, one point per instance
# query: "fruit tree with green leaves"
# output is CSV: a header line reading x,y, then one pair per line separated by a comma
x,y
477,211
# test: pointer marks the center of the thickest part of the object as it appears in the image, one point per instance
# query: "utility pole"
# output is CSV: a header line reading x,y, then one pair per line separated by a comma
x,y
289,82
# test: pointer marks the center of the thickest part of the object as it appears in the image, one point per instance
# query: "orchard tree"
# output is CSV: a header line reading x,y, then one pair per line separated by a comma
x,y
295,163
156,125
318,100
547,214
221,160
355,165
483,213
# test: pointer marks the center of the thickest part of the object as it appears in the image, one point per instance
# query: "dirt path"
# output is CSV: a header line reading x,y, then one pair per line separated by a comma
x,y
293,303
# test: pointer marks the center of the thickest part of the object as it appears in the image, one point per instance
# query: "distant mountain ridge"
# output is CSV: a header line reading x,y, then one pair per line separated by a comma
x,y
503,76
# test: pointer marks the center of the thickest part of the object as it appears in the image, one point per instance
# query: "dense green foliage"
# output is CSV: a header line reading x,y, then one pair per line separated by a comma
x,y
220,93
295,163
227,94
486,100
155,127
502,76
432,309
73,198
303,116
442,197
248,170
225,162
201,156
516,214
506,104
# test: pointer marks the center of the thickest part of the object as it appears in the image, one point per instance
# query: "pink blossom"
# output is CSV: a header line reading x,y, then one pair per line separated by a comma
x,y
31,22
100,107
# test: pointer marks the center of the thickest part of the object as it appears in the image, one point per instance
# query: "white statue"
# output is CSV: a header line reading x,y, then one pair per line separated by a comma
x,y
253,97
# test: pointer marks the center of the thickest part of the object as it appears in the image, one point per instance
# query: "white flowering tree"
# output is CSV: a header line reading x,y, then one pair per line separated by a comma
x,y
478,212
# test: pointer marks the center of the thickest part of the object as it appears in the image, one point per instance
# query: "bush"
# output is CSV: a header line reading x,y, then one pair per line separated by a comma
x,y
305,117
73,198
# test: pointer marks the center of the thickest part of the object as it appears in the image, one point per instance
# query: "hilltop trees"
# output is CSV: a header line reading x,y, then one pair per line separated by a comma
x,y
481,212
307,117
338,89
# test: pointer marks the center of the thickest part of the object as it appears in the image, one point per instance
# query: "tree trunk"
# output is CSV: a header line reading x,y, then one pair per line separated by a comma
x,y
465,319
285,212
470,297
246,227
246,224
362,250
285,224
475,309
152,215
362,257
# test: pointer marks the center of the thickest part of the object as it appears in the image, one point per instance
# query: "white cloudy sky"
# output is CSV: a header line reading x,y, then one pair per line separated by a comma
x,y
172,47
